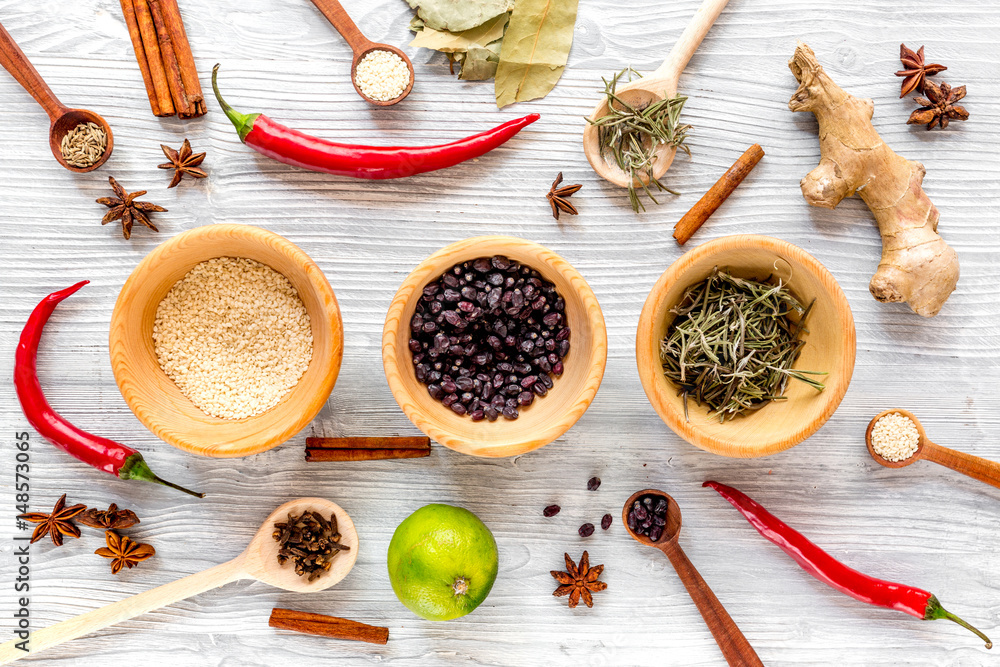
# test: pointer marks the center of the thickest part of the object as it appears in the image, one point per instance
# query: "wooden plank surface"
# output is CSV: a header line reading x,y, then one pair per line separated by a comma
x,y
923,525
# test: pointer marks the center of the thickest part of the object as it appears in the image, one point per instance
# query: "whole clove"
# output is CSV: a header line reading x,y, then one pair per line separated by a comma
x,y
310,541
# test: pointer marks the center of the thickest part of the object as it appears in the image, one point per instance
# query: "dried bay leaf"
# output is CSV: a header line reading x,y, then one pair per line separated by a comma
x,y
535,49
458,15
454,42
480,64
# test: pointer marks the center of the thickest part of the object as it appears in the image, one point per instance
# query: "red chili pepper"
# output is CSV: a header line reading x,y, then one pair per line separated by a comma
x,y
103,454
826,568
376,162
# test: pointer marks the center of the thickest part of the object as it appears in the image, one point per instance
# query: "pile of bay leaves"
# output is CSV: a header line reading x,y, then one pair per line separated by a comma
x,y
522,44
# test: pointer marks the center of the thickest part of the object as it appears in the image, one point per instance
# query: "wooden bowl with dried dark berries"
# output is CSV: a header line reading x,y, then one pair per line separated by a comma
x,y
494,346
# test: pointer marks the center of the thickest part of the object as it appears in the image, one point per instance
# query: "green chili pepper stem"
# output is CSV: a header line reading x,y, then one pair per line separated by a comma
x,y
242,121
935,611
137,468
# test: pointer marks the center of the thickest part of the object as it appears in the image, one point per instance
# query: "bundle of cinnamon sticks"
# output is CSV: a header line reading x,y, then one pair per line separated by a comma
x,y
164,56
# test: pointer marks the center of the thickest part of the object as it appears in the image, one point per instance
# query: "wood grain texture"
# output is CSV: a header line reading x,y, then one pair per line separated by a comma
x,y
924,525
545,419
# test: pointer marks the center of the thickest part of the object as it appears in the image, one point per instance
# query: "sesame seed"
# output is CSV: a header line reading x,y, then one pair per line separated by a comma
x,y
382,75
895,437
234,336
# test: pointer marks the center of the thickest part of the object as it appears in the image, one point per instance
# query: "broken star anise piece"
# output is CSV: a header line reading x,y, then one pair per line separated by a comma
x,y
124,551
579,581
939,106
916,71
183,162
57,524
559,197
111,518
124,207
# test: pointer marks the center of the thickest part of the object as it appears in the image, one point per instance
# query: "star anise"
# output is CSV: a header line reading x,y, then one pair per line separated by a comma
x,y
939,106
111,518
559,197
183,162
124,551
124,207
579,581
916,71
56,524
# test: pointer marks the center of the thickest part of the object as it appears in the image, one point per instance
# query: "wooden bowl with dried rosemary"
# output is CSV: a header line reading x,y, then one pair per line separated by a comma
x,y
765,339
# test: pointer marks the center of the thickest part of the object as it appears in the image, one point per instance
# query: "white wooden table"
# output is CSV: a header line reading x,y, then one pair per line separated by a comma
x,y
924,525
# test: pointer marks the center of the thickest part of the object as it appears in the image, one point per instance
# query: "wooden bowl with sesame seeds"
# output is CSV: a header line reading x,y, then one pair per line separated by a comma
x,y
546,418
830,345
159,403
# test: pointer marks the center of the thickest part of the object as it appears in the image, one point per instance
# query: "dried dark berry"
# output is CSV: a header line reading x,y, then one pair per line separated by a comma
x,y
551,510
606,521
593,483
648,516
586,530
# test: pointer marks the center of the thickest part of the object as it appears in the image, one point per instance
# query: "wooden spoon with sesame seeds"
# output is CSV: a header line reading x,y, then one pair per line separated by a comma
x,y
258,561
63,119
974,466
362,46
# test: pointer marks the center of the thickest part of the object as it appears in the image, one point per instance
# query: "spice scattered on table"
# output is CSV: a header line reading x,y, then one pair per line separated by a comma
x,y
367,448
109,519
488,336
916,71
234,336
586,530
939,107
84,145
104,454
310,541
648,516
382,75
823,566
732,344
124,551
606,521
124,207
895,437
56,524
579,582
551,511
327,626
558,197
593,484
371,162
184,161
630,135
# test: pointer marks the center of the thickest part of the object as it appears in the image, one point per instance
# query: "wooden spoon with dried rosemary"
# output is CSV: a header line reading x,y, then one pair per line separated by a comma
x,y
634,131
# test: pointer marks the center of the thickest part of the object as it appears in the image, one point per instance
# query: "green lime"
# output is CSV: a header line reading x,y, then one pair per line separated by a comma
x,y
442,562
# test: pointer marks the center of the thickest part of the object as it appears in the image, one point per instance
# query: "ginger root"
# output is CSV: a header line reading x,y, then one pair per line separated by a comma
x,y
917,266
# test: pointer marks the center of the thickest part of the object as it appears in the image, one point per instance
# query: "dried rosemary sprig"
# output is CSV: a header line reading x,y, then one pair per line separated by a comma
x,y
733,342
630,136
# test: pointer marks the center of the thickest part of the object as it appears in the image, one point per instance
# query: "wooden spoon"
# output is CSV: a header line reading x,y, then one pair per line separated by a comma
x,y
974,466
641,93
362,46
63,119
735,647
259,561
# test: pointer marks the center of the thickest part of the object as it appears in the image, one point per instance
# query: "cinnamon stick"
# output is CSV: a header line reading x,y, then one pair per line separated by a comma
x,y
185,59
366,449
327,626
140,55
170,65
717,194
151,49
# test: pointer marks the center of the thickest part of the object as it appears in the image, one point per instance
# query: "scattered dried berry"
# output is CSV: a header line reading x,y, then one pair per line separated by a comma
x,y
593,483
586,530
648,516
606,522
551,510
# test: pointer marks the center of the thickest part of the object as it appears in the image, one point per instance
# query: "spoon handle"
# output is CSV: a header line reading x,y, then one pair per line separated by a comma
x,y
123,610
14,61
735,647
974,466
689,41
337,15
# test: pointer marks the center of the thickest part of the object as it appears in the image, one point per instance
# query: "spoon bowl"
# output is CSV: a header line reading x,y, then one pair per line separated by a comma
x,y
734,646
913,458
66,122
258,561
375,46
